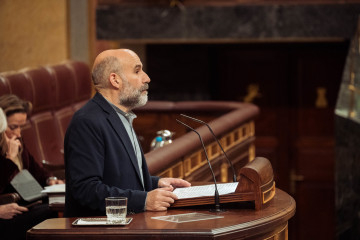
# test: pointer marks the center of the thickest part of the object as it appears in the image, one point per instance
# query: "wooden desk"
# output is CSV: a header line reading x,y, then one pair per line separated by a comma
x,y
238,223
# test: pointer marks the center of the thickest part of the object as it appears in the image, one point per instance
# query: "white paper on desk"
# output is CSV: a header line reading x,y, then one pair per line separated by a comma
x,y
57,188
205,190
92,222
56,199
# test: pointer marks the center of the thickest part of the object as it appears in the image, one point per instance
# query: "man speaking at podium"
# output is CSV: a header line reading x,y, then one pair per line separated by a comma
x,y
103,157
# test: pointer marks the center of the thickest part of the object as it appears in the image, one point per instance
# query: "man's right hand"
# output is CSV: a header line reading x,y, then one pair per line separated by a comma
x,y
160,199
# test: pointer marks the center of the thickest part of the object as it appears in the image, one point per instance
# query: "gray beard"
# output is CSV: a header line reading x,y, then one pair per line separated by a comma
x,y
132,102
131,97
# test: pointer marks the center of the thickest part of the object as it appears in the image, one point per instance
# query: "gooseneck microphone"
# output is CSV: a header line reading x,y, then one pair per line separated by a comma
x,y
218,142
217,197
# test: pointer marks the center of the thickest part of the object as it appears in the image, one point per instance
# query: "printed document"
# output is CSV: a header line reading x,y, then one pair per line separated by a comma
x,y
205,190
56,188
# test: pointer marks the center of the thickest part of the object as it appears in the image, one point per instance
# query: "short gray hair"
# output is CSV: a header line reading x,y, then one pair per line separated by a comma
x,y
103,69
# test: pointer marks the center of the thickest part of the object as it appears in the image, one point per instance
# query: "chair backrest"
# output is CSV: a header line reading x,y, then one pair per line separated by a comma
x,y
56,92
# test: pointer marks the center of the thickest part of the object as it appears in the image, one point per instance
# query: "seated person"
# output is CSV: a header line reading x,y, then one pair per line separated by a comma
x,y
8,211
13,158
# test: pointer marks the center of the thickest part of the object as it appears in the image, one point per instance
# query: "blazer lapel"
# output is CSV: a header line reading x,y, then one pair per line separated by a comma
x,y
120,130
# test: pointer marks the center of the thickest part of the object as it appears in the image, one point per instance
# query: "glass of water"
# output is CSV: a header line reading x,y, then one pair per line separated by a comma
x,y
116,209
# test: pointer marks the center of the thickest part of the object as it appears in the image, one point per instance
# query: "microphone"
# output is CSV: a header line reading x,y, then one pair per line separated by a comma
x,y
217,197
227,158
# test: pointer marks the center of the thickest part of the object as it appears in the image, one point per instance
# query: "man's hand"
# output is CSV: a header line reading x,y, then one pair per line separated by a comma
x,y
8,211
160,199
173,182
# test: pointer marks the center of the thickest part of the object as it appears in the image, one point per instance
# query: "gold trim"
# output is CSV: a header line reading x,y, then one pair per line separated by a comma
x,y
272,193
194,161
251,152
224,172
276,235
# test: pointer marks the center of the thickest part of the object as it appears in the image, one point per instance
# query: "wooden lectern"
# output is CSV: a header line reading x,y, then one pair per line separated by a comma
x,y
239,221
270,222
256,184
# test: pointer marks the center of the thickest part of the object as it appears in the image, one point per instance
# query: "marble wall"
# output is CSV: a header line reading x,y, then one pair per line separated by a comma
x,y
240,22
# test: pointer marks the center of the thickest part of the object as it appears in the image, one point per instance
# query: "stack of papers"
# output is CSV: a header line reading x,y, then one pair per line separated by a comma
x,y
57,188
56,193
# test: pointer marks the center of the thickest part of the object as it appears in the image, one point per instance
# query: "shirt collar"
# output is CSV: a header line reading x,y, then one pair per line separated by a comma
x,y
130,116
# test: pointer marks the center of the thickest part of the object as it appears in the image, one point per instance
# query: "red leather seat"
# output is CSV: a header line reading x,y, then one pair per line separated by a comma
x,y
83,86
4,86
56,92
20,85
43,86
65,83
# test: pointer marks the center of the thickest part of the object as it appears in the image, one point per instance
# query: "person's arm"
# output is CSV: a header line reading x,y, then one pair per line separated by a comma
x,y
155,181
85,157
8,211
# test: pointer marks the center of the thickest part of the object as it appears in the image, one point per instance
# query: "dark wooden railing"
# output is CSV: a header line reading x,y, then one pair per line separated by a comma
x,y
232,123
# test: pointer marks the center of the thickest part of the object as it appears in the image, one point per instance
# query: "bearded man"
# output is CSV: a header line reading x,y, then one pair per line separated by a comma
x,y
103,157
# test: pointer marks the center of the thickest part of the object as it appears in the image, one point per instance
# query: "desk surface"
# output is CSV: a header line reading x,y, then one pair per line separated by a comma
x,y
238,222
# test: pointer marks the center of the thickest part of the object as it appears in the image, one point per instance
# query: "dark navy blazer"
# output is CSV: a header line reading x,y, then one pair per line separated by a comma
x,y
100,161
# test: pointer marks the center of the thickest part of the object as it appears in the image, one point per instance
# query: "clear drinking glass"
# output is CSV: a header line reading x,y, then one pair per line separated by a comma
x,y
116,209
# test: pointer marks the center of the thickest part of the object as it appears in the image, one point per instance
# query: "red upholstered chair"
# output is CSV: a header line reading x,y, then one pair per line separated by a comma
x,y
63,118
65,84
82,81
28,134
43,87
20,85
4,86
49,141
56,92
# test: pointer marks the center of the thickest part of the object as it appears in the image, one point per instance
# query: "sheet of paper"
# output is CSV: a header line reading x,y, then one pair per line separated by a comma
x,y
205,190
98,221
57,188
92,222
56,199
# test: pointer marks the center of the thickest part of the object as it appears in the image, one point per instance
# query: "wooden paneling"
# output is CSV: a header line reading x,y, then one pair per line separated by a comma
x,y
296,86
238,222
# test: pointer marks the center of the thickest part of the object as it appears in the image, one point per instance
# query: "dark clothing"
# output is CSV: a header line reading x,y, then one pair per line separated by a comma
x,y
16,227
8,170
100,162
